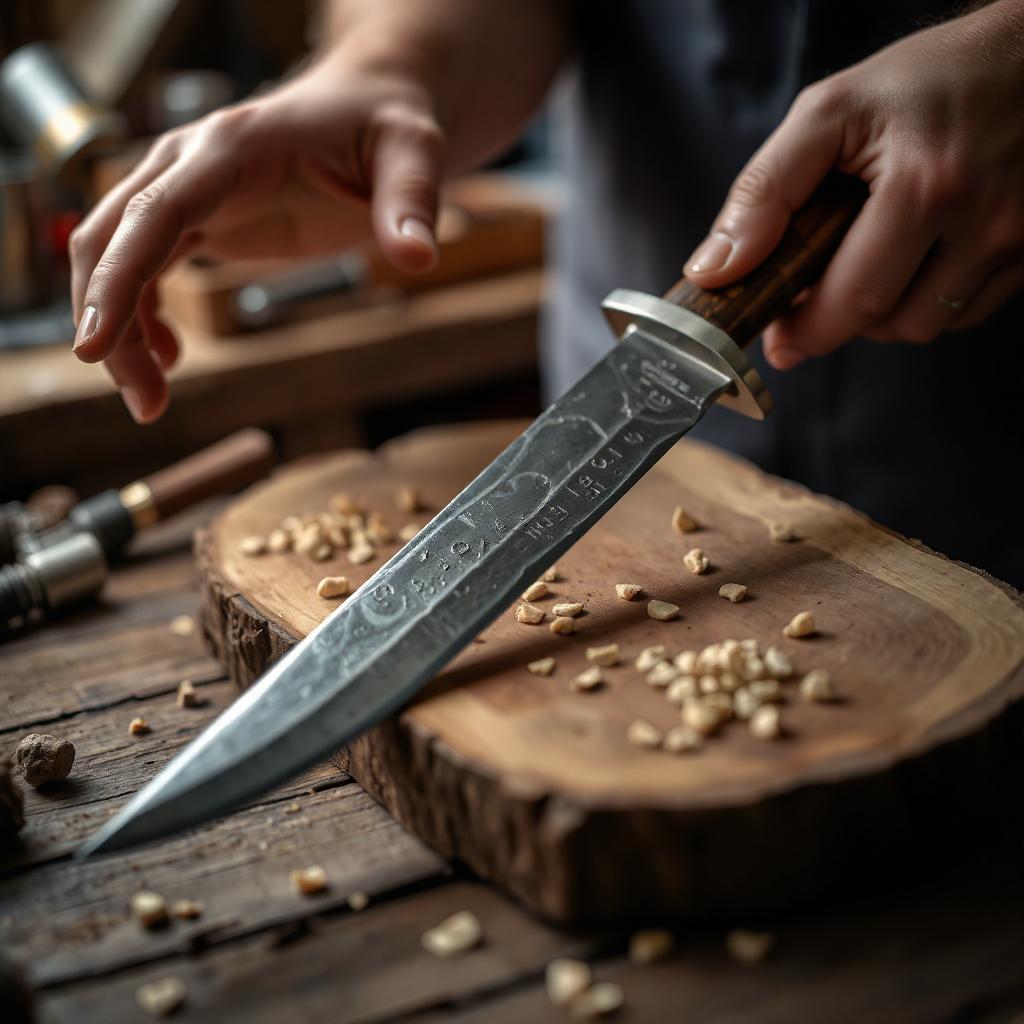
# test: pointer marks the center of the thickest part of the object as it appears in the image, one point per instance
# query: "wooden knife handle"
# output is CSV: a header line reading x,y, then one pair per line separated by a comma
x,y
745,308
237,461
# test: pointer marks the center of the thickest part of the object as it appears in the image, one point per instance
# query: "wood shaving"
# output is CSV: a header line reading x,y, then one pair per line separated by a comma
x,y
766,723
663,611
683,522
541,667
590,679
649,657
279,541
408,499
682,740
568,609
564,979
681,689
598,1001
309,881
749,947
333,586
777,663
455,935
696,561
606,655
149,909
817,686
642,734
802,624
343,504
686,662
253,545
182,625
361,553
662,674
647,947
188,695
408,532
767,691
701,717
530,614
162,997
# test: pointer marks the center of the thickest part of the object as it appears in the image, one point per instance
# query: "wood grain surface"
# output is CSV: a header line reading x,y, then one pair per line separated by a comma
x,y
942,946
536,786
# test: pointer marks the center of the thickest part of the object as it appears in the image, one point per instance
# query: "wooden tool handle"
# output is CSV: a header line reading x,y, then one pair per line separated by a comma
x,y
745,308
228,465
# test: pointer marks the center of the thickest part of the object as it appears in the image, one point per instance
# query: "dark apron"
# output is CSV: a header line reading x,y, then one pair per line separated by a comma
x,y
670,99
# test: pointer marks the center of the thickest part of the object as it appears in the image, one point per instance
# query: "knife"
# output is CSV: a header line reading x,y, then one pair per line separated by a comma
x,y
676,357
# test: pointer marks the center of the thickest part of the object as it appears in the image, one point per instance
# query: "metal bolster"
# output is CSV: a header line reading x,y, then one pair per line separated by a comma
x,y
628,310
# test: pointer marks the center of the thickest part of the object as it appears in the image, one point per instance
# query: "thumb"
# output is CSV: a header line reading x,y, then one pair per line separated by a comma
x,y
407,167
776,182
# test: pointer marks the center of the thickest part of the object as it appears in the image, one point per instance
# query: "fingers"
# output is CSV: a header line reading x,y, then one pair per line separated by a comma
x,y
150,229
158,336
138,376
994,293
863,282
407,169
91,237
942,289
778,180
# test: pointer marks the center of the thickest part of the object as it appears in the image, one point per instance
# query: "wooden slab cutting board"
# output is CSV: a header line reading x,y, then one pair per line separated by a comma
x,y
536,786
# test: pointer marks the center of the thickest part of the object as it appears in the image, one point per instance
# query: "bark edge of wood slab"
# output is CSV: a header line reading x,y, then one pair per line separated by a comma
x,y
536,788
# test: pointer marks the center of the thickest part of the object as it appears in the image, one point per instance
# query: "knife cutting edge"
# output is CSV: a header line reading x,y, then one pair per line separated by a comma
x,y
677,356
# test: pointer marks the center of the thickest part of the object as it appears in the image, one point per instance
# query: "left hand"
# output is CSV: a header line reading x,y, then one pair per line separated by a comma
x,y
934,125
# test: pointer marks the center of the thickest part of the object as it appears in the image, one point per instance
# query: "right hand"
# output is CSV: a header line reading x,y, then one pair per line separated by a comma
x,y
323,162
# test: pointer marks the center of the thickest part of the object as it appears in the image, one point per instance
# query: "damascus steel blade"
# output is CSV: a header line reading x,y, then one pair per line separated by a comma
x,y
371,655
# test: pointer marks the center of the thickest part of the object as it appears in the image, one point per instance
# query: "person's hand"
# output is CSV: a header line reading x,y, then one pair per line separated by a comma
x,y
935,125
316,166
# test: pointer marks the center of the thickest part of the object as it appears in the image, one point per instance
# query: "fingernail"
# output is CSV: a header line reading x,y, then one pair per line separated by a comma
x,y
417,231
133,401
712,254
86,326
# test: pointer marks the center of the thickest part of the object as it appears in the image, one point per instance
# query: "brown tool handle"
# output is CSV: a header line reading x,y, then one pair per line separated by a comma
x,y
745,308
238,460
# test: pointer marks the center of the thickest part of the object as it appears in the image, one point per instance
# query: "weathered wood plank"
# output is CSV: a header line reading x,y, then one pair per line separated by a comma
x,y
111,765
105,655
69,920
946,949
346,968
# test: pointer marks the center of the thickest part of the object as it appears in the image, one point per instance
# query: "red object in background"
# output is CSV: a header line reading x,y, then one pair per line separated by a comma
x,y
59,227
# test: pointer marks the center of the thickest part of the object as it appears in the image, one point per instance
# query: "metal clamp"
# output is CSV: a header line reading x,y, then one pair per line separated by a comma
x,y
628,310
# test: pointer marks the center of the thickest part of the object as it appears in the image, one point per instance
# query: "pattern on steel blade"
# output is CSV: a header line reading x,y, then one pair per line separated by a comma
x,y
421,608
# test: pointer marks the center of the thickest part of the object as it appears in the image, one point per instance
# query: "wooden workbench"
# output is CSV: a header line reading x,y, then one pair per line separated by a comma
x,y
947,945
309,383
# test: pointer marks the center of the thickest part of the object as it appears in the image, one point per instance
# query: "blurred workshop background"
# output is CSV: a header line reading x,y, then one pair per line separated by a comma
x,y
322,355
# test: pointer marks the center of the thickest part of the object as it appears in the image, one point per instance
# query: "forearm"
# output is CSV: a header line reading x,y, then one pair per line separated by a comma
x,y
484,65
